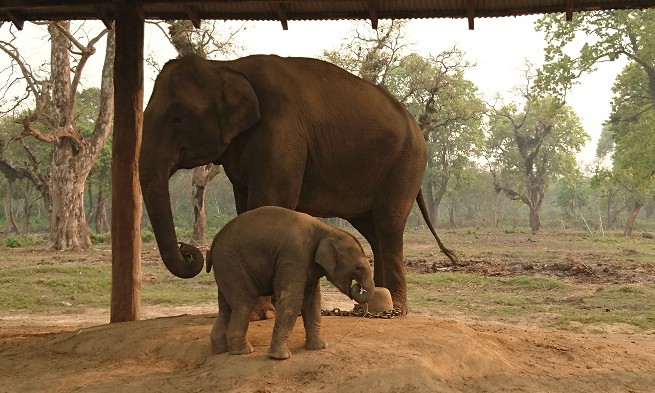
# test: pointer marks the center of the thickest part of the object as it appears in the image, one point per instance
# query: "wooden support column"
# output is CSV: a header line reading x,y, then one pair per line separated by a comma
x,y
126,191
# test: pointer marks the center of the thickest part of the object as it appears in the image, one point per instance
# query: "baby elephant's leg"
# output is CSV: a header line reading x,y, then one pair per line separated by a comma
x,y
219,331
237,343
287,307
311,317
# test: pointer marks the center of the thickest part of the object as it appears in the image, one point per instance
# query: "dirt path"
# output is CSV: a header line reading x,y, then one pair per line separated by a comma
x,y
410,354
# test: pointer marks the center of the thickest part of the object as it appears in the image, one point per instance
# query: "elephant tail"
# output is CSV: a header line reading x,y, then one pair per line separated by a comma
x,y
208,261
424,211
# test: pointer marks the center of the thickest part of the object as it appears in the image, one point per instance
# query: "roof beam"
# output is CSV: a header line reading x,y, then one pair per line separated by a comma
x,y
569,10
470,13
15,20
105,17
372,6
282,15
193,16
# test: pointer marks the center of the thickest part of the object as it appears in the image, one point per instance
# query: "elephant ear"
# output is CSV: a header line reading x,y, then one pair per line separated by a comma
x,y
327,255
238,107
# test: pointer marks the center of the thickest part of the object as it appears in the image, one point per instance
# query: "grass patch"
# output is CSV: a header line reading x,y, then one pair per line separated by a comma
x,y
525,298
73,285
49,288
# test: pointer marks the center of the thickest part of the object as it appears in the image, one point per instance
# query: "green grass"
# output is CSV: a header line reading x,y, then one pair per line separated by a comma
x,y
517,299
46,288
73,285
40,281
543,300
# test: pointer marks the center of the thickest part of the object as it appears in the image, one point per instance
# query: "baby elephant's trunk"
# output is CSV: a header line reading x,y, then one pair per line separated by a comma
x,y
364,292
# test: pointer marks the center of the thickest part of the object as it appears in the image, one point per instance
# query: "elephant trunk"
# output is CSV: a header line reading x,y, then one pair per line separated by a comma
x,y
363,292
185,261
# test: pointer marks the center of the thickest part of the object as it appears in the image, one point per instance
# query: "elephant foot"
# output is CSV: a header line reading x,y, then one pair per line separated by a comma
x,y
241,349
402,306
316,343
219,345
263,310
280,352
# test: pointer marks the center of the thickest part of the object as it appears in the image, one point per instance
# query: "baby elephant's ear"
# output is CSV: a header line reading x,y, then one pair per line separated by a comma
x,y
326,255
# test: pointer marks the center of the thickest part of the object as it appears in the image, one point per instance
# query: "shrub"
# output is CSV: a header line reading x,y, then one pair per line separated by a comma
x,y
98,238
12,242
147,236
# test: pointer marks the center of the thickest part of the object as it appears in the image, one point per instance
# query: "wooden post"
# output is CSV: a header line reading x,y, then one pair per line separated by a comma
x,y
126,191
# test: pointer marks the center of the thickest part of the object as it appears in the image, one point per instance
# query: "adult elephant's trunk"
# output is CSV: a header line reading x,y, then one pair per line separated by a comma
x,y
363,292
184,261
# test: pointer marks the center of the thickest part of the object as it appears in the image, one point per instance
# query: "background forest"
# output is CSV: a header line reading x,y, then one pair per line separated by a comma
x,y
508,162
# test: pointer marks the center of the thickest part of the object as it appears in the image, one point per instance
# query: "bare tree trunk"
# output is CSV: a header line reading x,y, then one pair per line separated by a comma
x,y
632,217
610,198
90,198
451,213
101,211
73,154
9,212
202,175
27,209
433,209
68,227
535,221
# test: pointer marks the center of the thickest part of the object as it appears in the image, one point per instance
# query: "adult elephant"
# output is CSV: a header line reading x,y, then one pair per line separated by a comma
x,y
292,132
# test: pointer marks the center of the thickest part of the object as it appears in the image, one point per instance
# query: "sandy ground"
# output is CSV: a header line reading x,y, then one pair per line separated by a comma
x,y
417,353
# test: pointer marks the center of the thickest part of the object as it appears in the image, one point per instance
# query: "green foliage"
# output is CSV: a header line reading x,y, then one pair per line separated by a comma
x,y
372,54
577,47
23,241
147,236
99,238
571,195
12,242
531,146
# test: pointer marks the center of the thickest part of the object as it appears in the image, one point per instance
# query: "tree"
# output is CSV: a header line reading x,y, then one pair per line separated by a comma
x,y
628,138
448,111
433,89
609,35
371,54
52,121
530,145
595,37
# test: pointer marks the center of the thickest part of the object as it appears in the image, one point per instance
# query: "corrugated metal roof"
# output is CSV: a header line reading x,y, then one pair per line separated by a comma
x,y
18,11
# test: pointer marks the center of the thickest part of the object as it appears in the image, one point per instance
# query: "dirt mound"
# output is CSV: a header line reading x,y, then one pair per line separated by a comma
x,y
409,354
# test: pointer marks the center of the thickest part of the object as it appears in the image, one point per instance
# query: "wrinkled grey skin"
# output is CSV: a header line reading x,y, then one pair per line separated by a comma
x,y
293,132
280,252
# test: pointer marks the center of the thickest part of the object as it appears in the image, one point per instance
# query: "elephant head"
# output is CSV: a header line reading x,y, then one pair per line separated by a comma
x,y
344,262
196,109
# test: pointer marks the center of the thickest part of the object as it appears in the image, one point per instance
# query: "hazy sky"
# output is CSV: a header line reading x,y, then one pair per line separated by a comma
x,y
498,47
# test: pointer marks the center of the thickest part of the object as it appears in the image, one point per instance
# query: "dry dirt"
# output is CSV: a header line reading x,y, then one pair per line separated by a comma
x,y
416,353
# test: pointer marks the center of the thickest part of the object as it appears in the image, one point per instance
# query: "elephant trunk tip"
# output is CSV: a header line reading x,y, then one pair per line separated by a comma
x,y
360,294
188,262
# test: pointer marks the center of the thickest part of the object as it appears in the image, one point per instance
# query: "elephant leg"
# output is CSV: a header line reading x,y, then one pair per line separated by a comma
x,y
311,317
367,229
240,197
389,233
288,305
263,309
219,331
237,328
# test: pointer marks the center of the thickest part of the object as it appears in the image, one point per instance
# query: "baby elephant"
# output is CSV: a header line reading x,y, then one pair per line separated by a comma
x,y
280,252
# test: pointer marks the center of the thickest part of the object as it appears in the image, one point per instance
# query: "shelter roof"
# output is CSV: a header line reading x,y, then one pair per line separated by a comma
x,y
18,11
